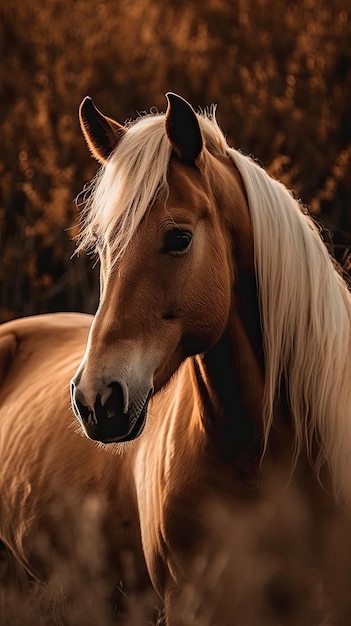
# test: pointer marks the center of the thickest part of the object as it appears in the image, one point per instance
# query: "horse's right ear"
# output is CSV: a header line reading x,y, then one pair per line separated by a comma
x,y
102,134
183,129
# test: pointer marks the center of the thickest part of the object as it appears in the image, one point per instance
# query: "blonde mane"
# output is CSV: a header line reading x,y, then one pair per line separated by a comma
x,y
127,185
305,307
305,310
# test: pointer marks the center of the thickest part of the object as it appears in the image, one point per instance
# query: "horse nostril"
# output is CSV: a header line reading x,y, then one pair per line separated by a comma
x,y
114,406
112,418
83,410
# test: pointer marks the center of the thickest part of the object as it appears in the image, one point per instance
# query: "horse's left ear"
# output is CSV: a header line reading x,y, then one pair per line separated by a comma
x,y
183,129
102,134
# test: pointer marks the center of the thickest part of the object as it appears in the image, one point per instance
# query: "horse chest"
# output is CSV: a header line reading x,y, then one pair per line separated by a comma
x,y
178,509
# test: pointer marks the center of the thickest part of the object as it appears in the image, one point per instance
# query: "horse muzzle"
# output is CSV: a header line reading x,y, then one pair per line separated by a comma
x,y
113,417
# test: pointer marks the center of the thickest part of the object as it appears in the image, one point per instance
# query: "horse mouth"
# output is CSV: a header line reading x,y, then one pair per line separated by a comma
x,y
136,430
110,432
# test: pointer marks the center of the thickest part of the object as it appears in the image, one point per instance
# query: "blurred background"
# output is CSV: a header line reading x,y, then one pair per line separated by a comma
x,y
279,70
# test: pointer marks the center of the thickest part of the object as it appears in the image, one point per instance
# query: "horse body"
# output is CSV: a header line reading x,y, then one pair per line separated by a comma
x,y
68,508
216,368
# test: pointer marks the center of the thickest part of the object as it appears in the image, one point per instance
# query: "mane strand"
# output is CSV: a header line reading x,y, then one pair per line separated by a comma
x,y
305,310
125,186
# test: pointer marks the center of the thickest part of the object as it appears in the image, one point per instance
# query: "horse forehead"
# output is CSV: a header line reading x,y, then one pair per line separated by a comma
x,y
186,185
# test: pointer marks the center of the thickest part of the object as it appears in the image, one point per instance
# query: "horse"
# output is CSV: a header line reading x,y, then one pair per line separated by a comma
x,y
216,370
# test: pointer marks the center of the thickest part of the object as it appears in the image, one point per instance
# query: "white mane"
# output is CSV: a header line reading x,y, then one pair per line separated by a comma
x,y
126,186
305,310
305,306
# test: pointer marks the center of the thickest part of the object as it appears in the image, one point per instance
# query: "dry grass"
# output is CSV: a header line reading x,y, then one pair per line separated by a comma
x,y
83,587
43,605
272,561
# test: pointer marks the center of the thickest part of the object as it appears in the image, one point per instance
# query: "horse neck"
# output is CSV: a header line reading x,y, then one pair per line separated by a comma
x,y
229,381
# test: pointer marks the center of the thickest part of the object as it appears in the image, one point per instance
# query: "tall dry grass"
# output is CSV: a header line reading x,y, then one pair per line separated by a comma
x,y
82,586
269,561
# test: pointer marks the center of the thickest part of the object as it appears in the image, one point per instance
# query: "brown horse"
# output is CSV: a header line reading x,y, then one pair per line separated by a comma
x,y
216,368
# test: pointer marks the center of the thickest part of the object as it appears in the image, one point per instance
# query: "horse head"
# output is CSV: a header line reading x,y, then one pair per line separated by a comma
x,y
161,223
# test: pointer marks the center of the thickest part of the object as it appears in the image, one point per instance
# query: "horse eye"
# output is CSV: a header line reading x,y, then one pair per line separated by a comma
x,y
177,240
